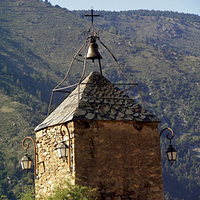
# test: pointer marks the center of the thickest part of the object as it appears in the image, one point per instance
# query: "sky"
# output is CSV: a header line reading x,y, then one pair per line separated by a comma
x,y
185,6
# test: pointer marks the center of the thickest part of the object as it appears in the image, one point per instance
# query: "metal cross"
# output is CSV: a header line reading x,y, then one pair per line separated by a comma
x,y
92,19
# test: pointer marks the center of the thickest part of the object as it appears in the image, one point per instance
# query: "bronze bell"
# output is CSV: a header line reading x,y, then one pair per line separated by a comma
x,y
93,52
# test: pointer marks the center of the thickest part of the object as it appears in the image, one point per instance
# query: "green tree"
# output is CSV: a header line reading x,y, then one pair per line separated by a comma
x,y
68,191
29,193
65,191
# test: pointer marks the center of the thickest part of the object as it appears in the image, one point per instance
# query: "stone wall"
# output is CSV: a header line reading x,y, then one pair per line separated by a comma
x,y
51,170
122,159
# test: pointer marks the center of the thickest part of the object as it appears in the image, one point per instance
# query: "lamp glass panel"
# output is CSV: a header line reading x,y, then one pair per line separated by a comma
x,y
174,155
26,164
59,153
169,156
29,164
23,164
62,150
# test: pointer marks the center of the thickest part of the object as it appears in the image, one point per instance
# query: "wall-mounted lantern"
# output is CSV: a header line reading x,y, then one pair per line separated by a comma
x,y
26,160
63,149
171,151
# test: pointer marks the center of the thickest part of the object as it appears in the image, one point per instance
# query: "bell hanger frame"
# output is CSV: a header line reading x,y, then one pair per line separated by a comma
x,y
91,36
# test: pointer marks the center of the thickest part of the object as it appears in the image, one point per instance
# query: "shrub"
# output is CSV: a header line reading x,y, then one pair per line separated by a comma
x,y
73,192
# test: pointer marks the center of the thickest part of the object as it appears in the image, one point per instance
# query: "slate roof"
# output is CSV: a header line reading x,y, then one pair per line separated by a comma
x,y
99,100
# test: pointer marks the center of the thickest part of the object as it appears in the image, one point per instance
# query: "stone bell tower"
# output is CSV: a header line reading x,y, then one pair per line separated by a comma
x,y
113,144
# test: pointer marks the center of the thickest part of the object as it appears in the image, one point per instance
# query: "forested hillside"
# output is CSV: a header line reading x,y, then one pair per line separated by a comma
x,y
158,50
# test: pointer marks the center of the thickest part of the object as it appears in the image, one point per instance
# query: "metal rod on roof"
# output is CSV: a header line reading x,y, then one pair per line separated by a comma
x,y
83,73
64,88
74,58
100,67
129,88
50,103
125,74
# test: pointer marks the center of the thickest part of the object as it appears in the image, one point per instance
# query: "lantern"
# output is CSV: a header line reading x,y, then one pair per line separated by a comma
x,y
171,154
26,162
62,150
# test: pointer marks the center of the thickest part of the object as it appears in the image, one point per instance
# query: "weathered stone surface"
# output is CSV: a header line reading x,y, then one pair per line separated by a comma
x,y
129,112
90,115
51,170
125,164
122,159
80,112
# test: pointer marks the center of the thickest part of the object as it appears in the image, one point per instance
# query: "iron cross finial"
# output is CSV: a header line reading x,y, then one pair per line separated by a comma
x,y
92,19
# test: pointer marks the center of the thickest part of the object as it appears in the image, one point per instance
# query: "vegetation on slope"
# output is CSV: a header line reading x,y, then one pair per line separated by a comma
x,y
158,50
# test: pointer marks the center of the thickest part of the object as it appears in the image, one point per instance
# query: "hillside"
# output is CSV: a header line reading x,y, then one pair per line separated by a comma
x,y
158,50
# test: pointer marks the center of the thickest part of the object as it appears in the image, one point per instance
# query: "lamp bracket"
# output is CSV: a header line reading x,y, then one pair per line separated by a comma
x,y
168,135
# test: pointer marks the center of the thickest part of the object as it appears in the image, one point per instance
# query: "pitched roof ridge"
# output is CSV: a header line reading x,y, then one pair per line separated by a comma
x,y
99,99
